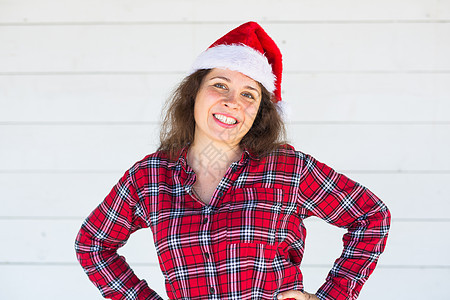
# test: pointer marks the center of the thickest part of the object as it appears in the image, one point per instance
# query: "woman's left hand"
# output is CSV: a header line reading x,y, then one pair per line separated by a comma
x,y
297,295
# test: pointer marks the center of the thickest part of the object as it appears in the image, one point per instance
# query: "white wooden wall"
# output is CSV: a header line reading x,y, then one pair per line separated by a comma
x,y
366,83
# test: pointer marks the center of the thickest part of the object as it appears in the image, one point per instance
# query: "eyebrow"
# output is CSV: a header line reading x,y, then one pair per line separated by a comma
x,y
228,80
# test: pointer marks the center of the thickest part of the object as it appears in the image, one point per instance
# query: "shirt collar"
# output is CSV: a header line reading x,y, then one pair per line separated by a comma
x,y
182,158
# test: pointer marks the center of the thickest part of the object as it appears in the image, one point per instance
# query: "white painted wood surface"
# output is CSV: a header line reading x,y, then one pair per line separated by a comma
x,y
340,97
100,11
51,241
374,47
366,90
35,190
395,282
371,147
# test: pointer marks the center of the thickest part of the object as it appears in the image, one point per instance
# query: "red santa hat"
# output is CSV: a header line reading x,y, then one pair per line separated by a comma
x,y
247,49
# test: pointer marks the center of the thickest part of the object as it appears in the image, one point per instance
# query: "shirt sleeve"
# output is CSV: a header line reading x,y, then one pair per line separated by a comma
x,y
105,230
342,202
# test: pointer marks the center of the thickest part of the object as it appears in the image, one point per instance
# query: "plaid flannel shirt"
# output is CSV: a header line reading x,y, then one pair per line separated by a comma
x,y
247,243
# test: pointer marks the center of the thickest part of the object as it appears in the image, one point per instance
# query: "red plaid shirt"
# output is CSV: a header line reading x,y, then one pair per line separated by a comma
x,y
247,243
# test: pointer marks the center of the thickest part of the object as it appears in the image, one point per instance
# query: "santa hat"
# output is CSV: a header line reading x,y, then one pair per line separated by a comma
x,y
247,49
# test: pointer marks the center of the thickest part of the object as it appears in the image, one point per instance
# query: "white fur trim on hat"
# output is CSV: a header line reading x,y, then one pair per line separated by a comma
x,y
239,58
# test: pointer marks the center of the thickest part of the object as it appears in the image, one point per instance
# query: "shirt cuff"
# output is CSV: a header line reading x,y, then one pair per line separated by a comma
x,y
333,291
145,292
154,296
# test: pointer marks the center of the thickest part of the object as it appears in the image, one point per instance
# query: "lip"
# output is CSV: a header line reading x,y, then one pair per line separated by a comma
x,y
225,125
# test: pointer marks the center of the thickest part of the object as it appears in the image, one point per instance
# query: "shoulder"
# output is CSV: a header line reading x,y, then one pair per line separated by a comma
x,y
305,161
152,162
287,152
285,158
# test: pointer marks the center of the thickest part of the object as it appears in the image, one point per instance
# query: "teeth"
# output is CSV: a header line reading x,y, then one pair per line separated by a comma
x,y
225,119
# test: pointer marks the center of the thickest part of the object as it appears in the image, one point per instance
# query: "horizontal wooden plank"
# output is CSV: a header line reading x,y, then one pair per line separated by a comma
x,y
306,47
375,147
202,11
407,195
96,48
85,98
51,241
311,97
117,147
53,195
324,244
62,282
74,147
391,284
366,97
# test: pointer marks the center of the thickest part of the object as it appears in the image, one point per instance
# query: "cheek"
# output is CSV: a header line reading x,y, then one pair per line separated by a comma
x,y
200,107
196,110
250,113
211,95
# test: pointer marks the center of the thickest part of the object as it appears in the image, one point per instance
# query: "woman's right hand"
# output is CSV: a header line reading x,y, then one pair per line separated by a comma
x,y
297,295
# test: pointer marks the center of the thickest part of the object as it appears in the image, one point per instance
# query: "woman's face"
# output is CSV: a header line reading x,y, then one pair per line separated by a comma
x,y
225,107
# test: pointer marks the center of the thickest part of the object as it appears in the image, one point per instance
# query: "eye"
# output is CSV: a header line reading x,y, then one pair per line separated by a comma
x,y
220,86
248,95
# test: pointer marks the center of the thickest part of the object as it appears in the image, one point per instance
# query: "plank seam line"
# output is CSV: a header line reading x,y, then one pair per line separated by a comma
x,y
369,172
141,73
265,22
145,123
409,267
76,218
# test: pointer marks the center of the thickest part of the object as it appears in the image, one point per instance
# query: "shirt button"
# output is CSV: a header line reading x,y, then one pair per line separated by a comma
x,y
207,255
220,194
212,290
205,220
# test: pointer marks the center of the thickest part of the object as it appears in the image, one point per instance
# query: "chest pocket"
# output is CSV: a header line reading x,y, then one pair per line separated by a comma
x,y
253,215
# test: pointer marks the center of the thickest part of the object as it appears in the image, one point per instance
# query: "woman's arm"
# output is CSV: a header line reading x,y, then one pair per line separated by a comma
x,y
105,230
345,203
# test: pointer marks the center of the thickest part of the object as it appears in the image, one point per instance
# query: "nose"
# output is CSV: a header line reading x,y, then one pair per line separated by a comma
x,y
231,101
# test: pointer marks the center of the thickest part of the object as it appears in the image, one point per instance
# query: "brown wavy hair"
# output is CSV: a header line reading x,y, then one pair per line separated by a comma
x,y
178,125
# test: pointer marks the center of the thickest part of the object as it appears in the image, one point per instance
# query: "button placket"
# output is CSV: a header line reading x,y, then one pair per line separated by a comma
x,y
205,228
205,238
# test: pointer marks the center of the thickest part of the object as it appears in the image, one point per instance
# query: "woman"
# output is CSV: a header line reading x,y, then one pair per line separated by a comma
x,y
225,197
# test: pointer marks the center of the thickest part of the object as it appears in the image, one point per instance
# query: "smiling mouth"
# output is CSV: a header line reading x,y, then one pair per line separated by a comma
x,y
225,119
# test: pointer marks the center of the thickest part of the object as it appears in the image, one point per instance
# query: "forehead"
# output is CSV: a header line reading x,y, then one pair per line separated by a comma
x,y
233,76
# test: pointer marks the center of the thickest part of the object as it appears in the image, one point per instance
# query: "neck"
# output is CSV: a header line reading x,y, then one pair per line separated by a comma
x,y
212,157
